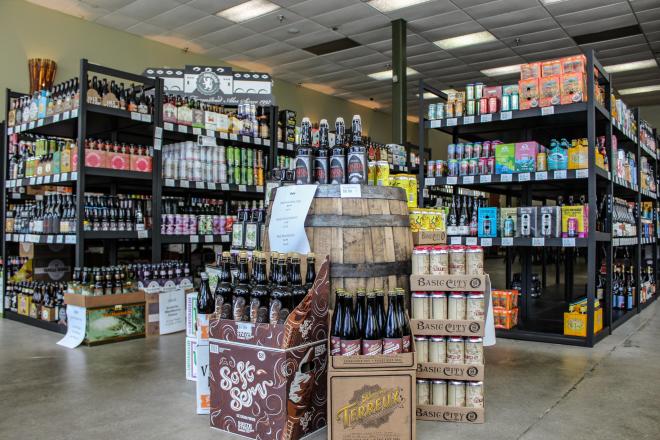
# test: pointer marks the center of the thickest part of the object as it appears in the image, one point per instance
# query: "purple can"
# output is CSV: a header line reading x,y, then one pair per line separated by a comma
x,y
431,169
464,167
451,151
440,168
467,151
491,165
483,165
452,167
473,167
486,149
476,150
459,151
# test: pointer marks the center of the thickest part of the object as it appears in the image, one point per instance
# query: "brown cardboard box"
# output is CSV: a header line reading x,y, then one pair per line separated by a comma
x,y
429,370
429,237
453,283
450,414
103,301
152,326
450,327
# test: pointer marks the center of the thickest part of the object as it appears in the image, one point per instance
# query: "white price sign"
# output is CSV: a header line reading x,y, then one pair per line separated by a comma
x,y
197,131
485,178
541,175
507,241
452,180
456,240
182,129
143,234
199,185
233,137
451,122
224,136
568,242
429,181
224,186
135,116
471,241
582,174
158,132
436,123
524,177
559,174
246,139
350,191
194,238
486,242
168,126
56,118
505,116
506,177
468,120
538,241
184,184
210,185
546,111
169,182
468,179
486,118
242,188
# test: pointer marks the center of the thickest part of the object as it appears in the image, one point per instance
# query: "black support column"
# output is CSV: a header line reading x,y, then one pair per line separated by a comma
x,y
399,82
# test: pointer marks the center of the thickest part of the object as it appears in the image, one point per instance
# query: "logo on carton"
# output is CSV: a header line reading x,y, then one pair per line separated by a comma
x,y
370,407
239,384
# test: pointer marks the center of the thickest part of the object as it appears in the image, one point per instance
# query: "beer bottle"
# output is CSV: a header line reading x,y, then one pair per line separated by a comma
x,y
380,307
310,276
242,291
281,301
351,344
322,156
372,337
259,301
406,333
205,304
304,157
361,309
298,291
223,290
337,323
392,342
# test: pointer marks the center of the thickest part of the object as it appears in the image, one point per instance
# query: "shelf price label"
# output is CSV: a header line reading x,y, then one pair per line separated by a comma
x,y
208,238
429,181
56,118
169,182
194,238
505,116
158,144
233,137
486,118
224,238
266,142
210,133
31,125
257,141
506,177
259,188
507,241
10,130
224,186
184,184
224,135
197,131
246,139
468,120
289,146
452,180
452,122
541,175
210,185
242,188
158,133
455,240
199,185
50,239
40,123
280,145
468,179
350,191
546,111
485,178
470,241
143,234
168,126
70,239
568,242
582,174
182,129
524,177
559,174
436,123
74,113
23,127
538,241
74,175
135,116
486,242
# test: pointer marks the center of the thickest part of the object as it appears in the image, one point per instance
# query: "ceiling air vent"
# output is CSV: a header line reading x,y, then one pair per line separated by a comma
x,y
332,46
611,34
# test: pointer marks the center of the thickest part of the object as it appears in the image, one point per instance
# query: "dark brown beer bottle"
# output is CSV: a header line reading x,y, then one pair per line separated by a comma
x,y
298,291
242,291
380,307
392,342
223,290
372,338
281,302
351,344
260,299
310,276
337,323
204,299
361,309
406,333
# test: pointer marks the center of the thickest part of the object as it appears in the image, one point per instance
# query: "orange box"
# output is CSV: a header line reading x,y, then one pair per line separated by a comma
x,y
505,299
140,163
529,93
529,71
550,90
118,161
95,158
550,68
506,319
573,88
574,64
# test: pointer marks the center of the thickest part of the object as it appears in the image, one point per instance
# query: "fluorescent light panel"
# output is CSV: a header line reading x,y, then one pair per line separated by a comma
x,y
393,5
635,65
465,40
248,10
504,70
387,74
636,90
549,2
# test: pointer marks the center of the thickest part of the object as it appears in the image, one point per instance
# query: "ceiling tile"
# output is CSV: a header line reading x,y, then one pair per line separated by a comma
x,y
450,31
363,25
649,14
651,26
73,8
277,19
525,28
269,50
146,29
303,27
552,53
616,43
642,5
357,11
231,33
245,44
584,16
110,5
203,26
497,7
567,7
367,60
491,55
286,57
590,26
479,49
146,9
535,37
311,8
422,10
480,65
439,21
514,18
211,6
179,16
354,52
117,21
538,47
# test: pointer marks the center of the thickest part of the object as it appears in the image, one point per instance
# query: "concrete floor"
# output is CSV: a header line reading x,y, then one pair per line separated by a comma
x,y
136,389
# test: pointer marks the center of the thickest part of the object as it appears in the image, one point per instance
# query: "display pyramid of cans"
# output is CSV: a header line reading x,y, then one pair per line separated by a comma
x,y
448,302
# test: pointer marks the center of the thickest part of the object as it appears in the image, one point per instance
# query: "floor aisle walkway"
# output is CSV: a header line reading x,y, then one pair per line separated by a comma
x,y
137,389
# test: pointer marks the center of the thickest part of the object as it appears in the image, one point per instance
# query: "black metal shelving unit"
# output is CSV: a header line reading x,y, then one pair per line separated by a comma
x,y
91,120
584,119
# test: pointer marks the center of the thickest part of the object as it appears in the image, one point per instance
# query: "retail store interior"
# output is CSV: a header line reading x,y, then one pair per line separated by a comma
x,y
341,219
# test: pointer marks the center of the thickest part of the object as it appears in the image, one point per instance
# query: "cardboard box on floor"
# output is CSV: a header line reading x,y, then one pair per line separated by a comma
x,y
175,310
268,381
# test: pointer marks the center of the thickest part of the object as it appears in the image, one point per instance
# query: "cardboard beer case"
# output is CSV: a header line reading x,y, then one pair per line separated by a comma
x,y
268,381
450,414
429,237
431,370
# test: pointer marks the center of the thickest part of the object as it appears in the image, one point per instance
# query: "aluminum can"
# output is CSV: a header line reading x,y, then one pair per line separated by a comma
x,y
474,395
437,350
456,306
439,392
455,393
423,392
474,351
420,305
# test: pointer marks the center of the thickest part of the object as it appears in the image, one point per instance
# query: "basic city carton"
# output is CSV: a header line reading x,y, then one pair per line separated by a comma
x,y
430,370
450,327
429,237
451,283
372,404
450,414
89,302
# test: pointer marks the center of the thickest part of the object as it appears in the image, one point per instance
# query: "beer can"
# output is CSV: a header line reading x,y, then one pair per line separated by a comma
x,y
423,392
337,166
469,92
491,165
420,305
456,306
321,165
439,260
440,168
458,109
467,150
474,351
483,165
473,167
430,168
542,162
356,164
464,167
422,345
440,110
492,104
437,350
476,150
515,102
486,150
455,393
438,305
478,90
449,110
420,260
382,173
439,392
460,148
470,109
506,103
483,106
452,167
432,115
572,226
474,395
451,151
371,175
455,350
474,260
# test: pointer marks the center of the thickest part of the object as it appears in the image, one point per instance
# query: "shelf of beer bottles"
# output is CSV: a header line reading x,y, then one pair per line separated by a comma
x,y
624,133
286,147
538,176
116,235
212,186
47,325
647,193
54,179
518,241
43,122
196,238
648,152
629,188
624,241
119,113
41,238
254,141
647,240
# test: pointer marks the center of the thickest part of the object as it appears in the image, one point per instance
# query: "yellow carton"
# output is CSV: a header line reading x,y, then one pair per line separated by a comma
x,y
24,303
575,324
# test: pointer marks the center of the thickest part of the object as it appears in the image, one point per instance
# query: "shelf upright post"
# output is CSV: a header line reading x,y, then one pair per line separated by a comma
x,y
607,221
422,144
655,210
3,199
591,198
638,199
156,172
80,168
272,152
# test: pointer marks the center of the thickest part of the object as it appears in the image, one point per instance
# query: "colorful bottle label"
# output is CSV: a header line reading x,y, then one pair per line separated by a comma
x,y
351,347
372,347
392,346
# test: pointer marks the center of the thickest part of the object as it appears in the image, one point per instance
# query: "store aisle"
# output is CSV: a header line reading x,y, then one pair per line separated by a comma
x,y
136,389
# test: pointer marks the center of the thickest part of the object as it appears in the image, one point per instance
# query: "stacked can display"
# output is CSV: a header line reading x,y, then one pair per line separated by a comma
x,y
448,303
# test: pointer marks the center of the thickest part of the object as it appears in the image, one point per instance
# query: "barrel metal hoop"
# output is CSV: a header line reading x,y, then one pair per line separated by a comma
x,y
347,221
369,270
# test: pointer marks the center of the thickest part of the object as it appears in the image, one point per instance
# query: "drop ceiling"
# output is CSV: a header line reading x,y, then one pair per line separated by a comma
x,y
526,30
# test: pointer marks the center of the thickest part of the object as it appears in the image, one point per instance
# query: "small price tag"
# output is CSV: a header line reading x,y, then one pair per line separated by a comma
x,y
541,175
452,180
40,123
184,184
50,239
59,239
210,185
455,240
31,125
224,136
451,122
468,120
7,237
74,113
289,147
259,188
524,177
74,175
23,127
56,118
486,242
559,174
256,141
136,116
507,241
429,181
485,178
391,166
506,177
546,111
40,180
568,242
208,238
582,174
146,118
168,126
197,131
8,184
468,180
194,238
182,129
56,177
505,116
538,241
280,145
158,132
470,241
210,133
199,185
33,180
224,186
436,123
47,179
169,182
70,239
10,131
486,118
158,144
350,191
224,238
267,142
242,188
143,234
233,137
246,139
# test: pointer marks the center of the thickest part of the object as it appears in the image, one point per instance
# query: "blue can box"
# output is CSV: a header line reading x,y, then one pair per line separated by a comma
x,y
487,222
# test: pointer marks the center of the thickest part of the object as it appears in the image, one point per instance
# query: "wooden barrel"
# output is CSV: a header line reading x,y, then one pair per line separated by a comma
x,y
368,239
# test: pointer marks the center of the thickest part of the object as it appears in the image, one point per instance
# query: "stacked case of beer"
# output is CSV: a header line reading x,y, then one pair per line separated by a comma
x,y
371,374
448,301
